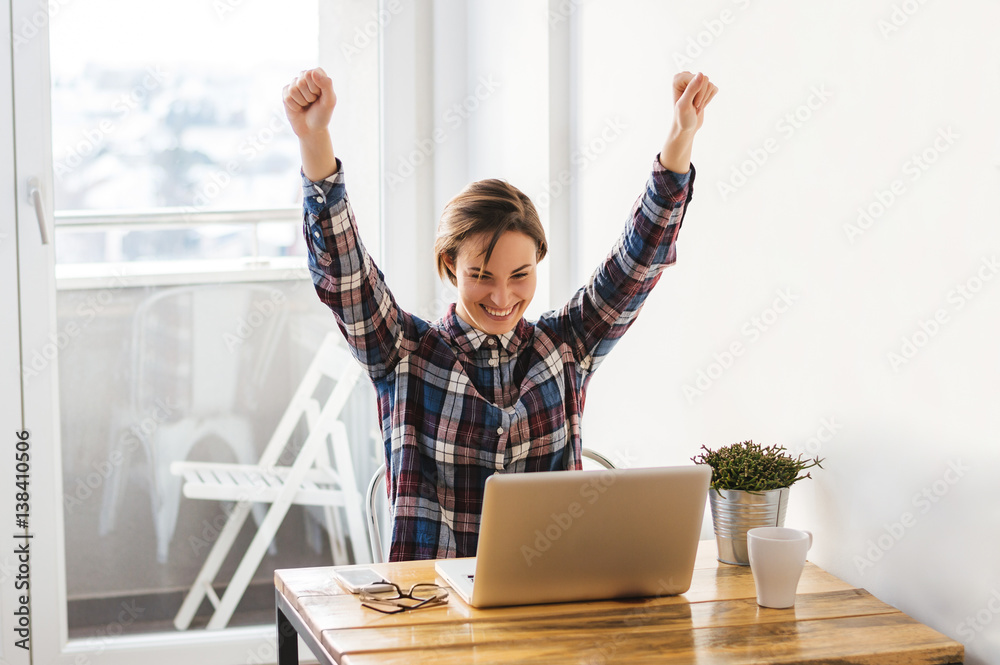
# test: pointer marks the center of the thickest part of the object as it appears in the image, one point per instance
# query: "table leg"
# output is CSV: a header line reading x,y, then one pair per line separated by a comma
x,y
288,640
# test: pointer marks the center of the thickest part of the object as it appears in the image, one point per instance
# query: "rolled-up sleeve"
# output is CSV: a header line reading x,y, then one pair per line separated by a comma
x,y
347,279
602,310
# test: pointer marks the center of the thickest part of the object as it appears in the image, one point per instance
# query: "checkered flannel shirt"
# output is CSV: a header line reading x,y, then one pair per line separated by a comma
x,y
457,405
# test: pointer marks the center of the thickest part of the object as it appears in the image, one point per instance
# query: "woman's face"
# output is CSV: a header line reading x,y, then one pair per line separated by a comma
x,y
493,297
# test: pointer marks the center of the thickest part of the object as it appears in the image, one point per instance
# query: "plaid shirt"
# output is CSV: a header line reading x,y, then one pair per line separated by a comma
x,y
457,405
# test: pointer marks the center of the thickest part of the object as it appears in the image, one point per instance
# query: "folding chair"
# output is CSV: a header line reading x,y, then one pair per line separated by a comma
x,y
311,479
182,356
375,512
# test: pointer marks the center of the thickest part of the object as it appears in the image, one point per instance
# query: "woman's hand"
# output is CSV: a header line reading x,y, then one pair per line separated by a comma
x,y
309,101
692,93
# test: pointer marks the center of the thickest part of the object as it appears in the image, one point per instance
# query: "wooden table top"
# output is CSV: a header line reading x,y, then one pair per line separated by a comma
x,y
716,621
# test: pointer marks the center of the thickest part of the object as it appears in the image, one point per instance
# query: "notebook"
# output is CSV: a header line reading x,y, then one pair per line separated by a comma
x,y
583,535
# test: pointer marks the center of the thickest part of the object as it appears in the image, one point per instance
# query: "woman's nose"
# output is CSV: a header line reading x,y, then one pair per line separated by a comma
x,y
502,296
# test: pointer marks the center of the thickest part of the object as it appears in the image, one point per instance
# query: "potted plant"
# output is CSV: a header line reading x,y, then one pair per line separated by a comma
x,y
749,488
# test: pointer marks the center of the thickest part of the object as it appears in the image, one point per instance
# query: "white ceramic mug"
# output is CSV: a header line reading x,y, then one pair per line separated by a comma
x,y
777,556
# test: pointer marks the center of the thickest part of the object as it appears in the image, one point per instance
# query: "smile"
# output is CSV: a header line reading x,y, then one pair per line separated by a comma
x,y
499,313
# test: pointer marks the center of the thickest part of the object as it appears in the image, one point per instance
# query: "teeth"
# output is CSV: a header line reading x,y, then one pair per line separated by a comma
x,y
498,312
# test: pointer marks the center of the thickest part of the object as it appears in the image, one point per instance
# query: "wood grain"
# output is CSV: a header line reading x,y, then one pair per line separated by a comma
x,y
716,621
724,583
884,639
611,623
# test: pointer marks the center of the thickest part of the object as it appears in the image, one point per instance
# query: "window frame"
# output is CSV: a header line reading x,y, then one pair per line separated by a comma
x,y
34,289
251,268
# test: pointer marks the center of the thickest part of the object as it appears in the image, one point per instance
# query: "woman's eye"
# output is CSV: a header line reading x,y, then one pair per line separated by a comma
x,y
520,275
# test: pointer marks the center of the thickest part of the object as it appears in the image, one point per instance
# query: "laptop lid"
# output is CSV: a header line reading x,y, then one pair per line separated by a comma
x,y
588,535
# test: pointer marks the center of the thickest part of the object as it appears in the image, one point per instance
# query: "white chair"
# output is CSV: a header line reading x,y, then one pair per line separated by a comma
x,y
374,497
311,477
199,360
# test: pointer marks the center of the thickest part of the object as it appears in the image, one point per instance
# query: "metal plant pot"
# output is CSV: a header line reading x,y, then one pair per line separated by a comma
x,y
736,511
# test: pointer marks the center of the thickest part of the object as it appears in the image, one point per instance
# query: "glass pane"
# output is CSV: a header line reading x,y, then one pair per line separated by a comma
x,y
154,375
176,104
111,244
162,111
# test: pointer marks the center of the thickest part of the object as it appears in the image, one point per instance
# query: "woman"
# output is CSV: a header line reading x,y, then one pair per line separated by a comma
x,y
481,390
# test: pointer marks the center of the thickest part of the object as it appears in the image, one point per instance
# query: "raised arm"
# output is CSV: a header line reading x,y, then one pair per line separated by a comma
x,y
346,278
309,103
692,93
603,309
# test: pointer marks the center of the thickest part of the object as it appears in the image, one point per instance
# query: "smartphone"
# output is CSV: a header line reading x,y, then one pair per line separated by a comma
x,y
356,578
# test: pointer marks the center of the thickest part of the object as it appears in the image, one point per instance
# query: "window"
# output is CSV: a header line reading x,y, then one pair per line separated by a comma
x,y
175,169
169,137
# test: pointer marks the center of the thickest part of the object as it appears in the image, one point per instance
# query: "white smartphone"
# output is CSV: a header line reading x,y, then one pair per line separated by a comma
x,y
356,578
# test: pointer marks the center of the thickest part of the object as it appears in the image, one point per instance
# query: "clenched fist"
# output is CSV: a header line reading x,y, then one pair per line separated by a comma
x,y
692,93
309,101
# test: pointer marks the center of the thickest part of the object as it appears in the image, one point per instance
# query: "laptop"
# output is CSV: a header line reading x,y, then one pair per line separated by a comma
x,y
583,535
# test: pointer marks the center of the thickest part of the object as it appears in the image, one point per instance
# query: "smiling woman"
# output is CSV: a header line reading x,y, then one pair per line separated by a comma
x,y
494,292
481,390
488,244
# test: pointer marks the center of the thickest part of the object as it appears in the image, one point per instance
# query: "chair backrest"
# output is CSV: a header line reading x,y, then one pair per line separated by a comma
x,y
376,492
205,348
331,362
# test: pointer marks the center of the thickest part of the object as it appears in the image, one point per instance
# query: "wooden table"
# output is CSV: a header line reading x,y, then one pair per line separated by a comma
x,y
716,621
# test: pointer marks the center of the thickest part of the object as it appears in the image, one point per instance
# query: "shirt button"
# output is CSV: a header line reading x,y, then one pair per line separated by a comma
x,y
499,430
491,342
493,362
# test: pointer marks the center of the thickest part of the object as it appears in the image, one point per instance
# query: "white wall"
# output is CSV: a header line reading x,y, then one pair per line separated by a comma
x,y
464,98
835,102
904,506
508,132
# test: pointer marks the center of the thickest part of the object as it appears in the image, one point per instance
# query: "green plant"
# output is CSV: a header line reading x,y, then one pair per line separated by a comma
x,y
754,468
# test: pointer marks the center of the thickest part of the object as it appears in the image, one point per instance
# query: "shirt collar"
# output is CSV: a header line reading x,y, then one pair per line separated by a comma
x,y
469,339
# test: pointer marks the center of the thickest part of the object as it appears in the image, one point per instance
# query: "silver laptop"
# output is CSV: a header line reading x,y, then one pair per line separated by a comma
x,y
583,535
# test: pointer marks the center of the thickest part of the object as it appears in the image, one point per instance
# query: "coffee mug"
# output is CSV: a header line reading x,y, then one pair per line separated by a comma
x,y
777,556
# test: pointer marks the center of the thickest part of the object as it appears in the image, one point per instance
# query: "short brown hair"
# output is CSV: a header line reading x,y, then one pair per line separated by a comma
x,y
487,206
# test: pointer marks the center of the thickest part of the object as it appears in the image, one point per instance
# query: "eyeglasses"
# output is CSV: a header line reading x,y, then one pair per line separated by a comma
x,y
389,598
